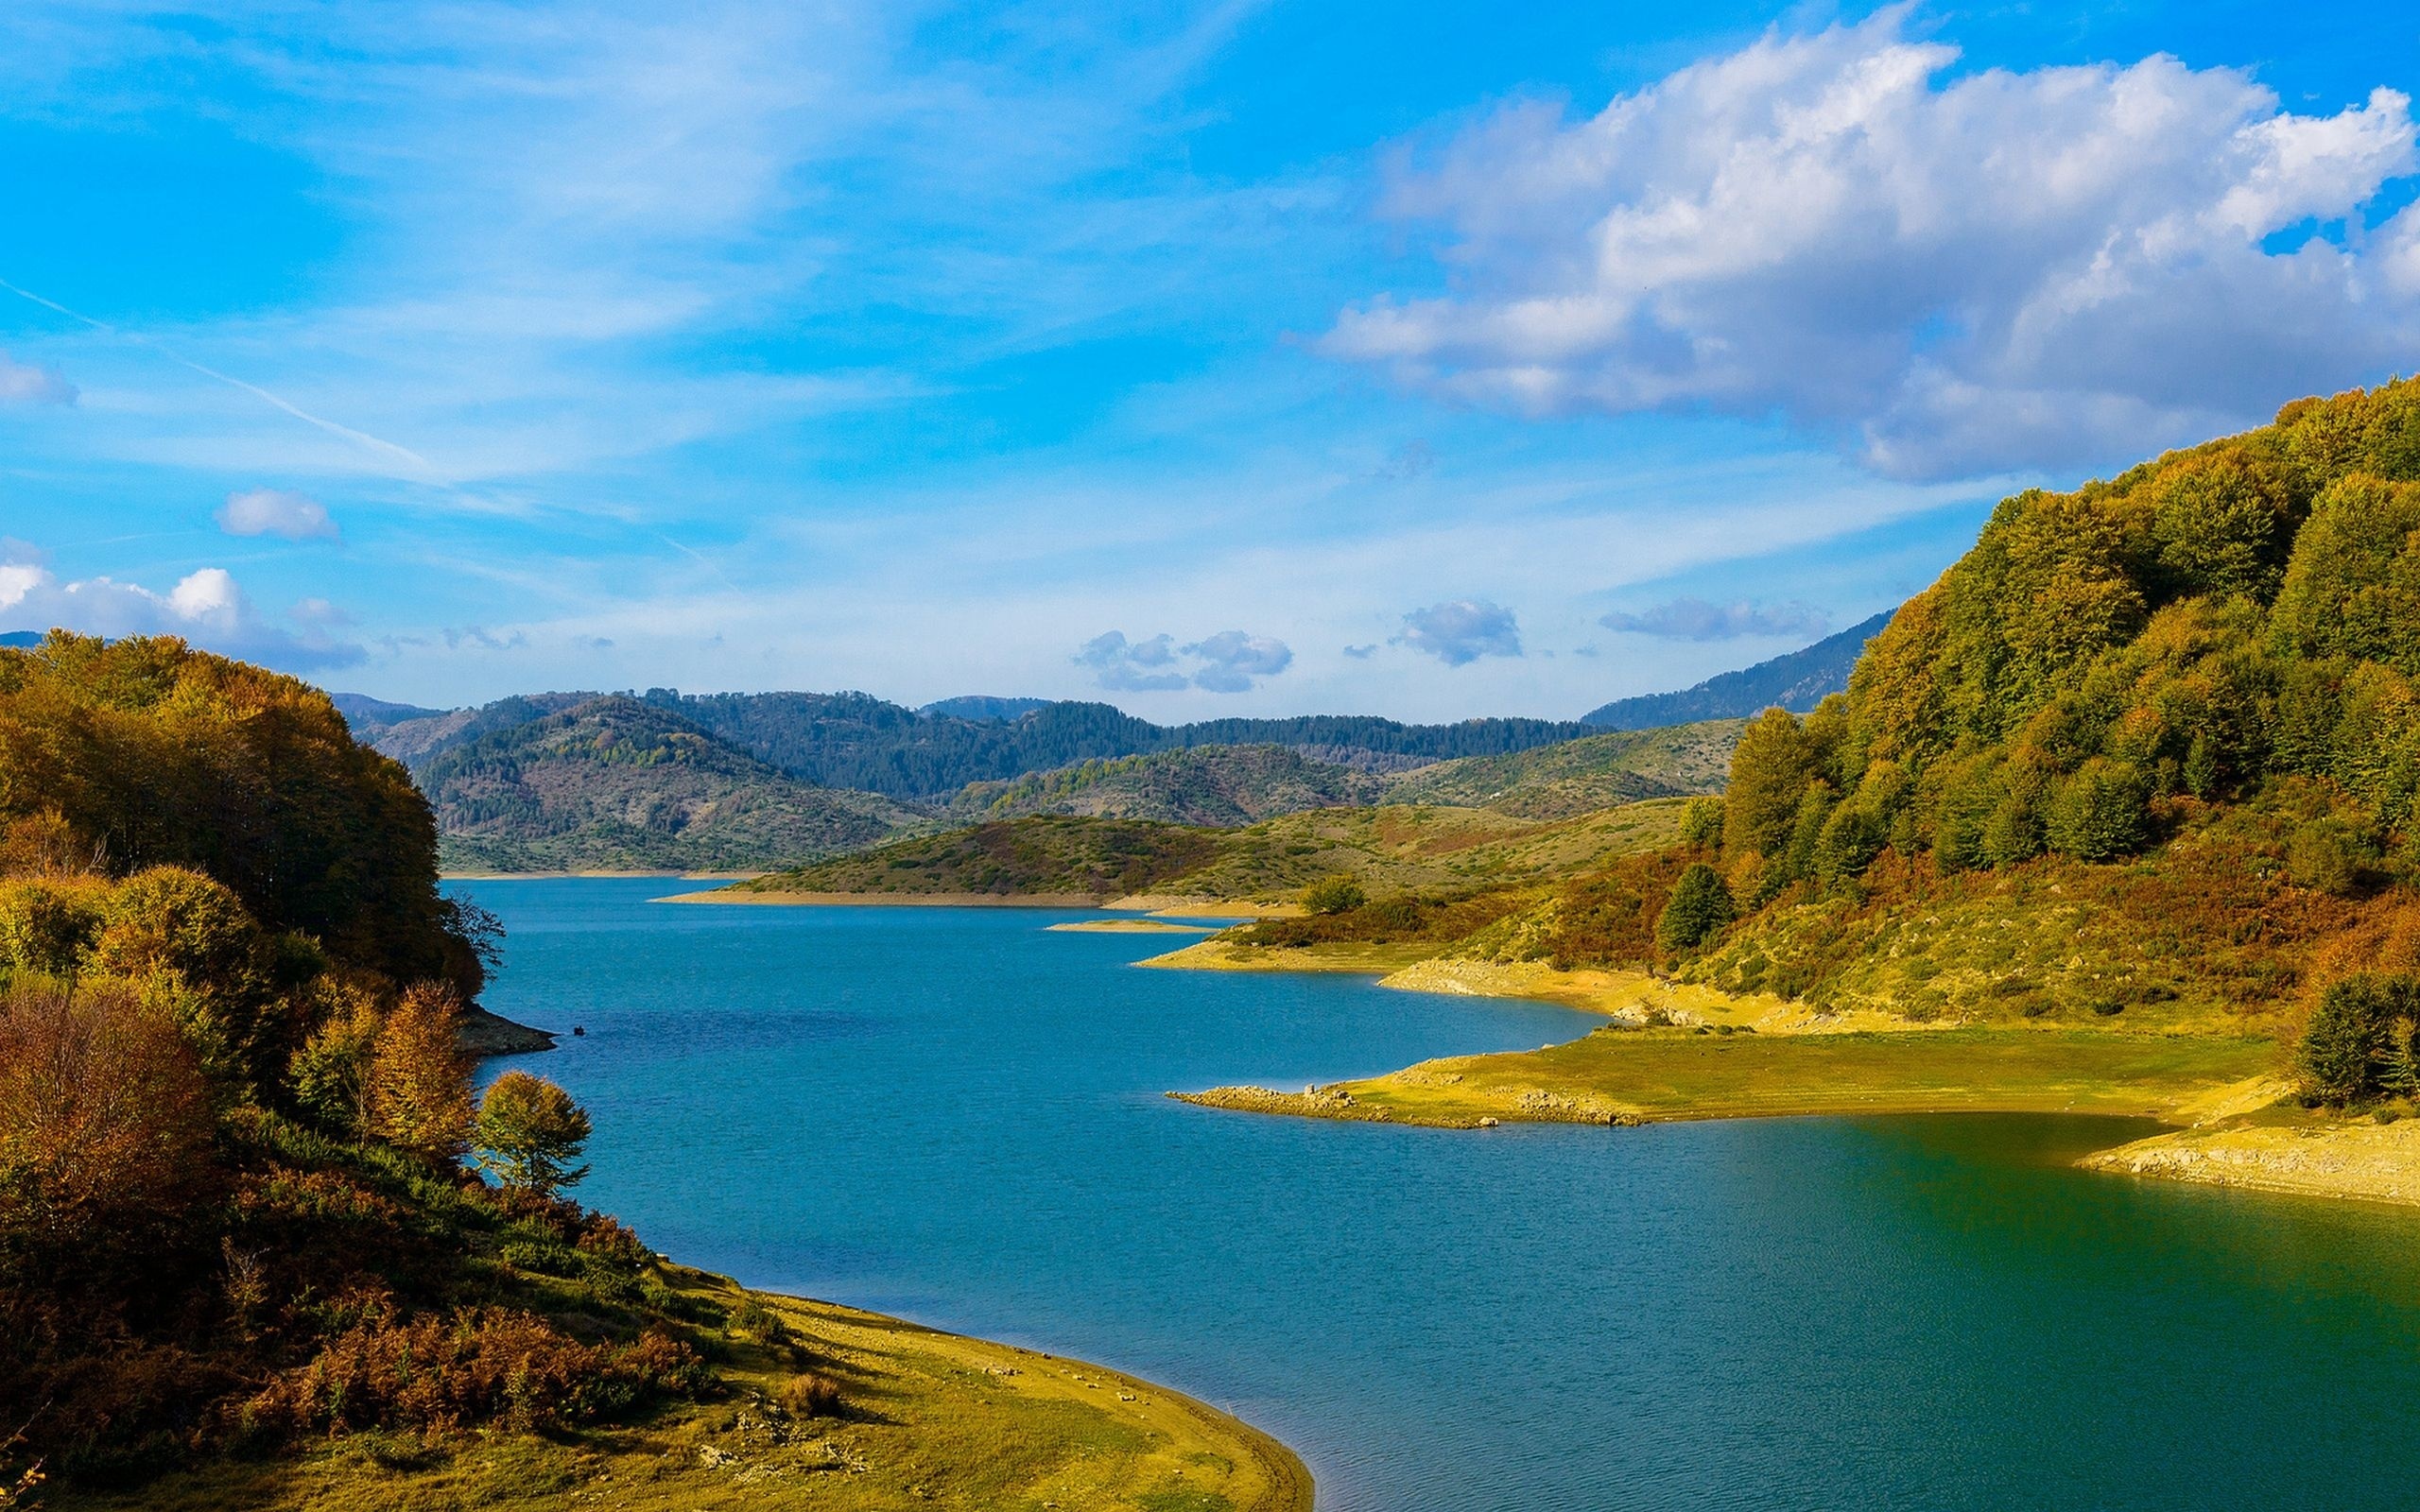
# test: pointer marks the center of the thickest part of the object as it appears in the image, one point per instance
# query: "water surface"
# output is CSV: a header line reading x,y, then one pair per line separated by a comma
x,y
955,1116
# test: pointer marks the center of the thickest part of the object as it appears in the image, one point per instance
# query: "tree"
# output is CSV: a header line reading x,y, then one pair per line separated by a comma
x,y
2097,815
1700,907
1769,775
529,1132
1334,895
1701,824
105,1129
2347,1039
420,1083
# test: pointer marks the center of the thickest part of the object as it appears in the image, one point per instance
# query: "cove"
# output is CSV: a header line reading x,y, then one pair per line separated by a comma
x,y
955,1116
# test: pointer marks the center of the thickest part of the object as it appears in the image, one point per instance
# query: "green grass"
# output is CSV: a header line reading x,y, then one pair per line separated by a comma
x,y
1675,1073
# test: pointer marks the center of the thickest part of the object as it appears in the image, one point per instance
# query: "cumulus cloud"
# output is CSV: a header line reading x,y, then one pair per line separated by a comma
x,y
276,512
1694,619
1460,631
206,607
1231,660
1228,662
23,383
1952,274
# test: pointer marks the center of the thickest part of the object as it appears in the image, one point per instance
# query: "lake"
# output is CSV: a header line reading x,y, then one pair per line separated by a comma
x,y
955,1116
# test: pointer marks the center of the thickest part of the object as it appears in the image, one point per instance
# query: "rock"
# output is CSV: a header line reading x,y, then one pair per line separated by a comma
x,y
1487,1122
482,1034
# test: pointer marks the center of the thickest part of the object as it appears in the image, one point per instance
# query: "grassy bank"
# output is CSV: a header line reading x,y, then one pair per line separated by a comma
x,y
1623,1075
925,1420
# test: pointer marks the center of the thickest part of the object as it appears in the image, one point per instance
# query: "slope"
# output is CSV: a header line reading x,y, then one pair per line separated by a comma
x,y
1579,776
1220,785
615,784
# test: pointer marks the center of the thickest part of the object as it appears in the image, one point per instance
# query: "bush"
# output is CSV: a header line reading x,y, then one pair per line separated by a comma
x,y
105,1129
810,1395
527,1133
1334,895
1700,907
2345,1045
476,1365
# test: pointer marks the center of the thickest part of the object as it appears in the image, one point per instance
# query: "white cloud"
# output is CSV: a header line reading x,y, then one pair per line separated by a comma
x,y
1225,663
206,607
1953,274
1694,619
1461,630
23,383
276,512
1231,660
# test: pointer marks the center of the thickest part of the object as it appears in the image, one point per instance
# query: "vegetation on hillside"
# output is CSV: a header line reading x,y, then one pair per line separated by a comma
x,y
1214,786
1388,849
2148,754
1044,856
1582,775
617,784
853,740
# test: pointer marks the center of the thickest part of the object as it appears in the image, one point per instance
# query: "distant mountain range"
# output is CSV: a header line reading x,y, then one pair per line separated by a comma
x,y
1797,681
714,782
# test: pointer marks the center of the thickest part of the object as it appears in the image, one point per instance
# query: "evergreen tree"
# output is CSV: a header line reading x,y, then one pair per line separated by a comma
x,y
1700,907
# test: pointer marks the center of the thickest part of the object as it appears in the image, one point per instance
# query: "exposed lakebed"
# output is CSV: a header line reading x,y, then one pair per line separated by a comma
x,y
955,1115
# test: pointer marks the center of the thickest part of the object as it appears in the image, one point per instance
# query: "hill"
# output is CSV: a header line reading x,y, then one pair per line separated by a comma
x,y
1216,786
1796,681
1391,849
853,740
366,714
1579,776
616,783
1013,858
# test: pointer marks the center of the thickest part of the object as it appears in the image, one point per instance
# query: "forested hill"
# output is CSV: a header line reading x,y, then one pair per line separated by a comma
x,y
1797,681
853,740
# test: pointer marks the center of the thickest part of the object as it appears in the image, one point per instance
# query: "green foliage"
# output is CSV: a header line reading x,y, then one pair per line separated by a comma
x,y
1701,824
2206,626
144,753
2097,813
1700,907
529,1132
2344,1047
1334,895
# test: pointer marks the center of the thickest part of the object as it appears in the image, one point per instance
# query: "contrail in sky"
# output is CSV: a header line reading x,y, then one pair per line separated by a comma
x,y
424,471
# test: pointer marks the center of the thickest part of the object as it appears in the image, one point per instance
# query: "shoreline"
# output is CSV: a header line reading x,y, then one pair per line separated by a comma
x,y
925,1416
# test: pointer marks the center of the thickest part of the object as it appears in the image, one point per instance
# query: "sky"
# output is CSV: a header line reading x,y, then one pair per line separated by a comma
x,y
1425,359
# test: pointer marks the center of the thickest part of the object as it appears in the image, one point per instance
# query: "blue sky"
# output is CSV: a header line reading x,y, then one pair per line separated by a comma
x,y
1425,359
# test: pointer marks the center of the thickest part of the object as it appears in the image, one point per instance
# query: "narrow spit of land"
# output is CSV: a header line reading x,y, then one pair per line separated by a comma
x,y
926,1418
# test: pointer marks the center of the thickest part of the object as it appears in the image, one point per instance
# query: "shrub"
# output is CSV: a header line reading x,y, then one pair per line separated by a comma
x,y
810,1395
1700,907
2347,1039
105,1129
529,1132
1334,895
1701,824
420,1088
476,1365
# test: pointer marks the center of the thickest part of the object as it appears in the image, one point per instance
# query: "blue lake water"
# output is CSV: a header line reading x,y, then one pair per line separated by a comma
x,y
955,1116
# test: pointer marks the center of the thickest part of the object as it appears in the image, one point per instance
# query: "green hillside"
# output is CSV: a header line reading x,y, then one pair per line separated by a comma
x,y
616,783
1396,849
853,740
1579,776
1041,856
1220,785
2148,754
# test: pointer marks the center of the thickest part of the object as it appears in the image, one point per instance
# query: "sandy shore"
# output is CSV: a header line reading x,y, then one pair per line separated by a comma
x,y
888,900
1128,926
2357,1158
